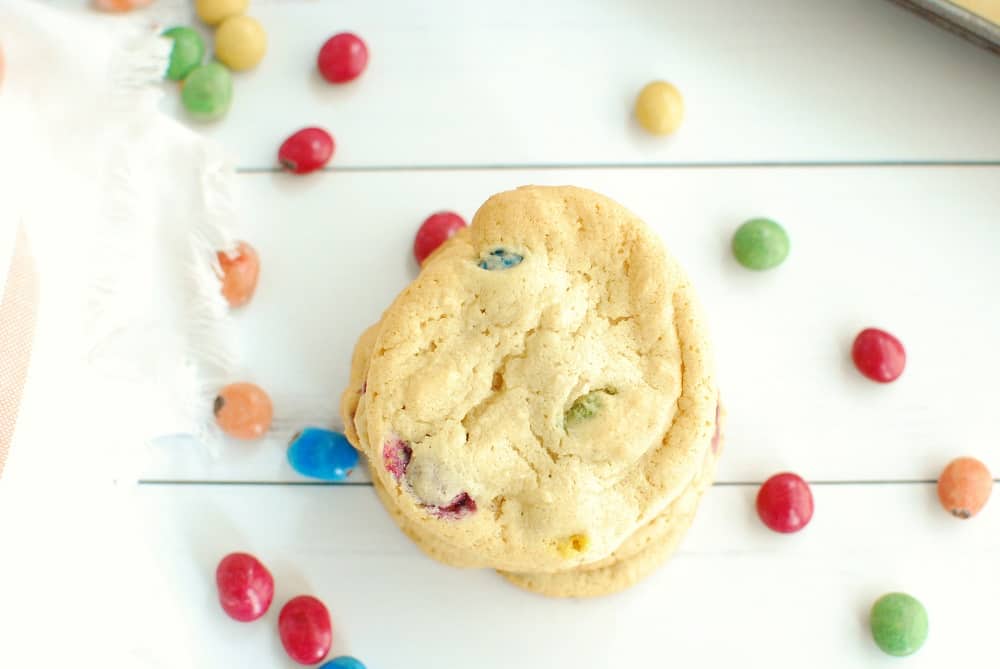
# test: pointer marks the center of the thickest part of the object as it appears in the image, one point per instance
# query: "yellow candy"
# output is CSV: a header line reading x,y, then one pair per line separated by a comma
x,y
573,545
659,108
240,42
213,12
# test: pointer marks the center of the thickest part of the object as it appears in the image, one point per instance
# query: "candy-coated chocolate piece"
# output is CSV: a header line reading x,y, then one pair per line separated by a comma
x,y
785,503
207,92
322,454
964,487
878,355
342,58
243,410
306,151
343,662
240,42
186,53
659,108
240,272
214,12
500,259
463,505
305,629
899,624
245,586
435,231
396,455
760,244
120,5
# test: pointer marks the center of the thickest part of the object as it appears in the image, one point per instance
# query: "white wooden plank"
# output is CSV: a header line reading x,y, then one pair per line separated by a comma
x,y
735,595
524,82
912,250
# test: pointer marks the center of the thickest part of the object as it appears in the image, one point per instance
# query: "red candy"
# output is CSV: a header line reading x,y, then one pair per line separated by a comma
x,y
434,232
456,509
246,587
784,503
396,456
305,629
306,151
342,58
878,355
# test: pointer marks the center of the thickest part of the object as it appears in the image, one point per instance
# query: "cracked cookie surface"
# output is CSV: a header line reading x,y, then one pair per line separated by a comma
x,y
542,390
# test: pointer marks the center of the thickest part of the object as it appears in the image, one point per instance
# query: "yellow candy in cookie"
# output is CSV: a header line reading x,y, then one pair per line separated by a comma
x,y
538,398
573,546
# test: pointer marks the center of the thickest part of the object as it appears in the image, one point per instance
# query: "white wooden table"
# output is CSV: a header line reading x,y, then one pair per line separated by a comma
x,y
871,135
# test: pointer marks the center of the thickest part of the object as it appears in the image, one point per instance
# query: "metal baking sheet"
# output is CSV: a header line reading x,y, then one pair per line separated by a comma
x,y
975,20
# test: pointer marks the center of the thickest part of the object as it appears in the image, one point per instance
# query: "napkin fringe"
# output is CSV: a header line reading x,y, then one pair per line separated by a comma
x,y
208,343
180,365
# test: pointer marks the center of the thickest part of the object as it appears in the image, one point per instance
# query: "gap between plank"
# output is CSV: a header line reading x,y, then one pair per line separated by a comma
x,y
636,166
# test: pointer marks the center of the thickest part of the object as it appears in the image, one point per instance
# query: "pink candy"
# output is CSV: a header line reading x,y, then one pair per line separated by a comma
x,y
396,456
246,587
305,629
456,509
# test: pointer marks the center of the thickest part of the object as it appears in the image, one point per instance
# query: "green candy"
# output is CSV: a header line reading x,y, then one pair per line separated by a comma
x,y
586,406
899,624
208,92
186,53
760,243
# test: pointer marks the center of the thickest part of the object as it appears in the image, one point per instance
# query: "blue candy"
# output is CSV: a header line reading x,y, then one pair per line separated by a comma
x,y
343,662
322,454
500,259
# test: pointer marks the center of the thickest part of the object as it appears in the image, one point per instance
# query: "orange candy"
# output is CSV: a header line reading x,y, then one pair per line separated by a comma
x,y
239,274
243,410
120,5
964,487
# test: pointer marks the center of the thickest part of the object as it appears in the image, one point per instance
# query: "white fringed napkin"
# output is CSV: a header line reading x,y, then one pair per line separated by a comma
x,y
110,217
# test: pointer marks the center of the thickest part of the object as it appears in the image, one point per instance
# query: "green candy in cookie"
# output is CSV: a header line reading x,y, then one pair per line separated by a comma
x,y
760,243
586,406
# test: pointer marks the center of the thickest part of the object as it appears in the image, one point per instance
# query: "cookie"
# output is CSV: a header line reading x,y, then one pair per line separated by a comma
x,y
643,552
542,391
638,556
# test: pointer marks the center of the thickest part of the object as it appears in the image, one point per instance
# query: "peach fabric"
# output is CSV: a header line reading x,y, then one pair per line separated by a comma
x,y
18,309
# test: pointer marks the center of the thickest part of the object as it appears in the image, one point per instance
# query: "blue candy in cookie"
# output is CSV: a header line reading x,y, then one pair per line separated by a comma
x,y
500,259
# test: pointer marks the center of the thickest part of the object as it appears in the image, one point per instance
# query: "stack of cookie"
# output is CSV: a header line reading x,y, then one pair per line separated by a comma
x,y
541,399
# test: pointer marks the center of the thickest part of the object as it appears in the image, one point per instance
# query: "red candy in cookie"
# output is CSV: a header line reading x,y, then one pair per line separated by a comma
x,y
878,355
717,435
435,231
245,586
785,503
396,456
456,509
305,629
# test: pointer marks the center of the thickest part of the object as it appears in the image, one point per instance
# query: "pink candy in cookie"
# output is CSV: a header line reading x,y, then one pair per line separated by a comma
x,y
460,507
396,455
718,428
